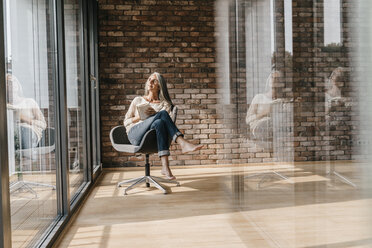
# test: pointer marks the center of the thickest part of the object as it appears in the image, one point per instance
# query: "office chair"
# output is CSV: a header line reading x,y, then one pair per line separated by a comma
x,y
280,132
45,146
148,145
338,107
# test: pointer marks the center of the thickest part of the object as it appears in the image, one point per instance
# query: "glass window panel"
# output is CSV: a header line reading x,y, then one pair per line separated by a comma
x,y
31,118
223,72
332,22
75,95
260,45
303,143
288,25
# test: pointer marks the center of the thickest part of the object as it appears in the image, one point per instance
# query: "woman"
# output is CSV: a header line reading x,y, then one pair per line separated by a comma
x,y
158,108
334,83
333,97
31,120
258,115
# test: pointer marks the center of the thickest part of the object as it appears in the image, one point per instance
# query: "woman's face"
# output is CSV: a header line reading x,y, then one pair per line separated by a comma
x,y
274,84
152,84
13,85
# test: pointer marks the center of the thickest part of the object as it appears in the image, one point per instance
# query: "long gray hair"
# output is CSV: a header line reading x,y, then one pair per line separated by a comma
x,y
14,88
270,79
337,73
163,90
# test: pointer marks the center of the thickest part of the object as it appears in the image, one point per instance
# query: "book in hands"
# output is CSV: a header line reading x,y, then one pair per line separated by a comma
x,y
141,108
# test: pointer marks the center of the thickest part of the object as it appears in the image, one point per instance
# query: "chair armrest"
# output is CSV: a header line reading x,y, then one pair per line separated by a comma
x,y
174,114
118,135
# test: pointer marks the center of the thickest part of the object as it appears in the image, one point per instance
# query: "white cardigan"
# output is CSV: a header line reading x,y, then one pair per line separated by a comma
x,y
133,112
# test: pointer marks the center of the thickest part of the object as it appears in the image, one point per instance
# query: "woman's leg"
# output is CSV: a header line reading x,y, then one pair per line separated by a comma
x,y
171,128
161,137
165,170
28,138
136,133
176,135
163,146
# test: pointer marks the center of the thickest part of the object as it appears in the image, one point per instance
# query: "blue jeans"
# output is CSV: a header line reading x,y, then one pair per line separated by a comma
x,y
27,138
165,131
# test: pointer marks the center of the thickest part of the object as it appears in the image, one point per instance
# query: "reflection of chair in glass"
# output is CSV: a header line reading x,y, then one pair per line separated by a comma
x,y
332,172
262,118
28,131
148,145
338,109
282,137
46,145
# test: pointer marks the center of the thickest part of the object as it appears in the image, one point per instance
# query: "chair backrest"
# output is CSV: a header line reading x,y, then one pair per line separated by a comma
x,y
47,138
45,145
118,135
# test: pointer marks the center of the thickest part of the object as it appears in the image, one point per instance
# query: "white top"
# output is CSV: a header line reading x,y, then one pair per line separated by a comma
x,y
28,108
132,111
260,105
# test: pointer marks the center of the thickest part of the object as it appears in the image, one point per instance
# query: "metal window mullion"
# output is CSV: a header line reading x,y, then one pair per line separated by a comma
x,y
92,80
5,225
96,74
84,58
93,66
63,193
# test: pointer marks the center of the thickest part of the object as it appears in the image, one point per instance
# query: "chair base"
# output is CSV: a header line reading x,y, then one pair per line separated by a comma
x,y
147,179
265,174
25,184
341,178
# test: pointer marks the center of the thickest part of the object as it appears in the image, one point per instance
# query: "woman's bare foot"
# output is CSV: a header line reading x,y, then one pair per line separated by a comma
x,y
168,174
189,147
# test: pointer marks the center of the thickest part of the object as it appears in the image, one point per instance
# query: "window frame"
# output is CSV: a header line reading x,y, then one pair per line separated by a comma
x,y
66,207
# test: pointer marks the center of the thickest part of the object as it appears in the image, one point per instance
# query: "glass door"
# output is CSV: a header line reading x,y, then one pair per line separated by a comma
x,y
30,80
49,104
94,85
75,89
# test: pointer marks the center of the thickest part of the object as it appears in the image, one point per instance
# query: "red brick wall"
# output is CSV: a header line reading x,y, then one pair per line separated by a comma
x,y
175,38
178,39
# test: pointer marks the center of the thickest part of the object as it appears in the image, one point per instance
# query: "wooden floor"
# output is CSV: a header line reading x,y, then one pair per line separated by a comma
x,y
216,207
34,208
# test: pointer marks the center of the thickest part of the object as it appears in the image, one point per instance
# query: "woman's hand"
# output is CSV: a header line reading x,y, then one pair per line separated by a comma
x,y
25,119
150,111
136,119
10,106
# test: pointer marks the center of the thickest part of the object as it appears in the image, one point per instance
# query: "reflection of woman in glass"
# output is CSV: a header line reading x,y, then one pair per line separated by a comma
x,y
258,114
333,92
31,120
158,106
